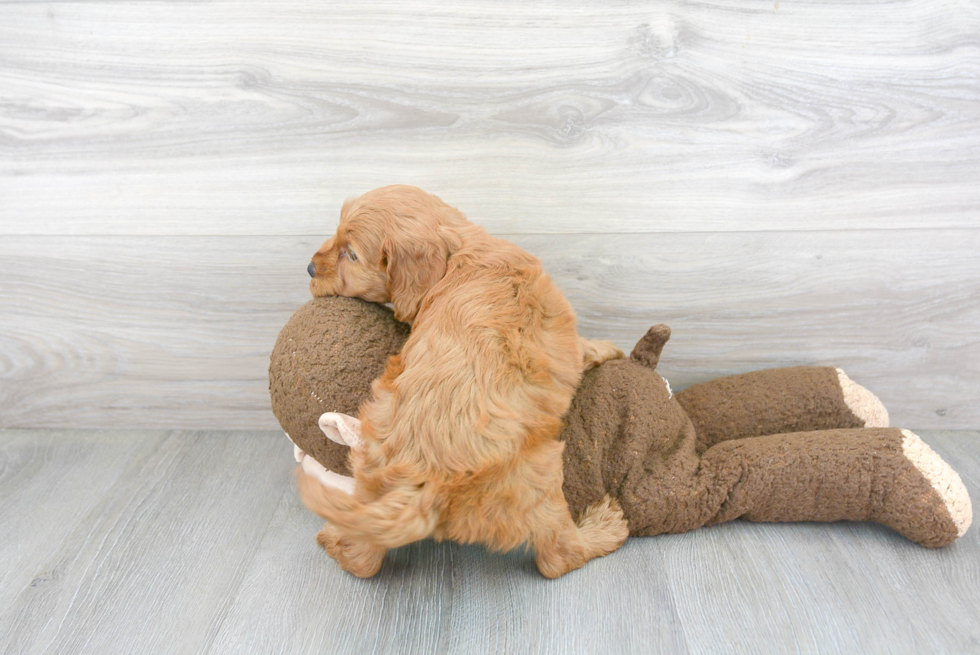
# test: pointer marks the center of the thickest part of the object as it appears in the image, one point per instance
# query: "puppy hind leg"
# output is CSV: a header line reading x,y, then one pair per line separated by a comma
x,y
596,352
603,527
561,546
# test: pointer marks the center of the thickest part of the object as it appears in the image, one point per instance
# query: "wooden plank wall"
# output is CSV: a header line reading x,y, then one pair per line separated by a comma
x,y
781,182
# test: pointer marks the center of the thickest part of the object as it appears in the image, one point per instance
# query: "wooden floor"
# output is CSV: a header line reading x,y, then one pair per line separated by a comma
x,y
195,542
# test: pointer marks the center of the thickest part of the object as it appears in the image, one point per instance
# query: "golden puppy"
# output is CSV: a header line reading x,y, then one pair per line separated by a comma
x,y
460,436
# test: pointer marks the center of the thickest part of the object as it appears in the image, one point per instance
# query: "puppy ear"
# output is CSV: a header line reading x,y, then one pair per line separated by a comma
x,y
413,267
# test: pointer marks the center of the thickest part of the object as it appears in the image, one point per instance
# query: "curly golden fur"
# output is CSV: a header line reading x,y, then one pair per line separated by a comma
x,y
460,435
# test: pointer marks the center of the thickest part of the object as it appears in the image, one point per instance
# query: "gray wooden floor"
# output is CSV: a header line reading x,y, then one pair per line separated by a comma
x,y
195,542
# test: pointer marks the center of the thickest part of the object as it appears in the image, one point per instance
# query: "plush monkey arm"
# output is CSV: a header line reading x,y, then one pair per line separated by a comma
x,y
340,429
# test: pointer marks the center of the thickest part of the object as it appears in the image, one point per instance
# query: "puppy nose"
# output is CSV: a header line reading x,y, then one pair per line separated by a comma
x,y
311,269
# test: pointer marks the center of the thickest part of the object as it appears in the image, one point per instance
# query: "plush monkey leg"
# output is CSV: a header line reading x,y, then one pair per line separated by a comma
x,y
885,475
779,400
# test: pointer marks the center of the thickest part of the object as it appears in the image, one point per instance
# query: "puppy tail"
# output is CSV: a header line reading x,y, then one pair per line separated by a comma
x,y
399,517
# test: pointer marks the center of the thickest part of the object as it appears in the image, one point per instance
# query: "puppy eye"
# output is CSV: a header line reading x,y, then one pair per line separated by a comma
x,y
351,254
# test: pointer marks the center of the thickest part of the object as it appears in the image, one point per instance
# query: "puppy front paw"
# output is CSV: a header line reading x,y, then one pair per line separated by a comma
x,y
354,556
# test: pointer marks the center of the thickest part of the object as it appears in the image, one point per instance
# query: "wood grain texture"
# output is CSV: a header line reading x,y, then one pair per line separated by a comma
x,y
782,183
196,542
36,469
154,564
176,332
236,117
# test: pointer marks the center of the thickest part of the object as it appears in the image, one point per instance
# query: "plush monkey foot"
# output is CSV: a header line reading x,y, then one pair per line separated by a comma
x,y
946,491
863,404
884,475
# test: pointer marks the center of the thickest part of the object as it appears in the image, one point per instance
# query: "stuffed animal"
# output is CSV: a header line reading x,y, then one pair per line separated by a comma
x,y
792,444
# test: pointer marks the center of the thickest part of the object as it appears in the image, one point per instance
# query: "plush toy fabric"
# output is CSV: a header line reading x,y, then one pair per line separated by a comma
x,y
794,444
325,359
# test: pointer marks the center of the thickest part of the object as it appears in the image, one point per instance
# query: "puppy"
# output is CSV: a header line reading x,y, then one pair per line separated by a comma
x,y
460,435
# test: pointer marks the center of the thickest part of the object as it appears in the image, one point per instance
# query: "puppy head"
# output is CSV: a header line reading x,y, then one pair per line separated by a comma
x,y
392,245
350,263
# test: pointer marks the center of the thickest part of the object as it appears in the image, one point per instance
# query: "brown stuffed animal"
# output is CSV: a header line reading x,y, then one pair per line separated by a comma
x,y
792,444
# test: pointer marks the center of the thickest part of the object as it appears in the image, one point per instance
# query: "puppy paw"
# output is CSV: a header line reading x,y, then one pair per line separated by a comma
x,y
603,527
357,557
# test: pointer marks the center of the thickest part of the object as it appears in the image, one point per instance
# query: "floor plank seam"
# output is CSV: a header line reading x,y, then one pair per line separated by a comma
x,y
234,596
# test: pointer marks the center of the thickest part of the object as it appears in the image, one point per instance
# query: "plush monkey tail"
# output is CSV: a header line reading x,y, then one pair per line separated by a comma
x,y
401,516
647,350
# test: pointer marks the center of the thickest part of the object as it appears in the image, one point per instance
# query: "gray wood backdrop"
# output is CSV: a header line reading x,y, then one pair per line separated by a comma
x,y
783,183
